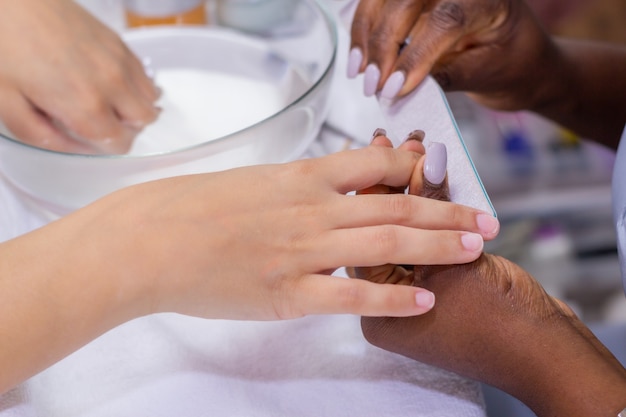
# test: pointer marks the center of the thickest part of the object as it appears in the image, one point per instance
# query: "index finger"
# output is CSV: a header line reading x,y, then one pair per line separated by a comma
x,y
434,35
386,40
362,168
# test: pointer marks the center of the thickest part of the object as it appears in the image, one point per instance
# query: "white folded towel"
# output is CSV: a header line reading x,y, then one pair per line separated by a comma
x,y
169,365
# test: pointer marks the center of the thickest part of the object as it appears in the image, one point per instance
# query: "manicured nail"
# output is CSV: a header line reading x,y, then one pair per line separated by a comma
x,y
436,163
425,299
393,85
417,135
379,132
354,62
472,242
372,76
488,224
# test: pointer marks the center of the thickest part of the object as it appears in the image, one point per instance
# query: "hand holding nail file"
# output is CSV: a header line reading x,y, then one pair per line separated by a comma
x,y
426,108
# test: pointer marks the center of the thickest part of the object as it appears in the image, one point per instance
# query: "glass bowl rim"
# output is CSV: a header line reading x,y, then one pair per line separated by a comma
x,y
332,28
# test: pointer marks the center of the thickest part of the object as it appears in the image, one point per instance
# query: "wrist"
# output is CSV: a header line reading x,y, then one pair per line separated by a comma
x,y
568,374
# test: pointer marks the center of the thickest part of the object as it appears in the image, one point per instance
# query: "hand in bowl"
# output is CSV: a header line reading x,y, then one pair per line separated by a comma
x,y
68,82
493,322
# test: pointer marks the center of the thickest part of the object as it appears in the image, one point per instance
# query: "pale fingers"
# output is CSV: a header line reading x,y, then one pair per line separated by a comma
x,y
321,294
358,169
409,210
378,245
31,126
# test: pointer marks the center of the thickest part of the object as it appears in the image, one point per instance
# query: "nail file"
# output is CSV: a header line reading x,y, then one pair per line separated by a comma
x,y
427,109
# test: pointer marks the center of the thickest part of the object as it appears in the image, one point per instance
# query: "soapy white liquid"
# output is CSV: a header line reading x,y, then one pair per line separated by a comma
x,y
199,106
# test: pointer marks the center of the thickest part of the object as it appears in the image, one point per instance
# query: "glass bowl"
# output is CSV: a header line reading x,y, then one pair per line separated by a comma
x,y
233,96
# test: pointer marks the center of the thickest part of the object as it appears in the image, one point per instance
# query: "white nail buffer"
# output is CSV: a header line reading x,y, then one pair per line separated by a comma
x,y
426,108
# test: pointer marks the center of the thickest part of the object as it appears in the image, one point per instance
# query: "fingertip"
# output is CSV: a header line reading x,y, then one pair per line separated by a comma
x,y
413,78
355,61
472,242
425,300
436,163
393,85
379,138
371,80
488,225
414,142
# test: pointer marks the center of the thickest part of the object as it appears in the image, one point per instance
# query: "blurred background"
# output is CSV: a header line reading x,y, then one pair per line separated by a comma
x,y
551,189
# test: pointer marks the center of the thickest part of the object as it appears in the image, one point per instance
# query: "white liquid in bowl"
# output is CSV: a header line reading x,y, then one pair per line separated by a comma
x,y
199,106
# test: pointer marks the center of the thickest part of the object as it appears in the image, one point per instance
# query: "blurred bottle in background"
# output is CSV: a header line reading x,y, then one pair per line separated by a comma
x,y
256,16
165,12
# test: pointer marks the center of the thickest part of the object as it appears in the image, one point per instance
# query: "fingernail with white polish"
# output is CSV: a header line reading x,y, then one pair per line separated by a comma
x,y
393,85
372,76
354,62
425,299
436,163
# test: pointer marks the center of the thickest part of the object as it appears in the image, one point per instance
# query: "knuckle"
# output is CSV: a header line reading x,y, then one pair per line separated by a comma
x,y
381,157
415,55
380,38
448,16
457,214
385,240
360,27
351,298
400,207
443,78
305,168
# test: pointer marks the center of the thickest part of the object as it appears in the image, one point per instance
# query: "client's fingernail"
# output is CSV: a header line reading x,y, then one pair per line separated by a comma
x,y
372,76
379,132
354,62
487,224
393,85
436,163
425,299
417,135
472,242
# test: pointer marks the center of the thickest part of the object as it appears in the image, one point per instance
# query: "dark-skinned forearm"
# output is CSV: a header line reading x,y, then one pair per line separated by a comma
x,y
585,89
